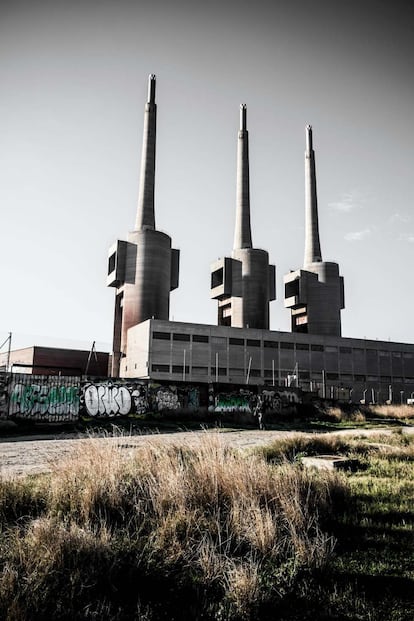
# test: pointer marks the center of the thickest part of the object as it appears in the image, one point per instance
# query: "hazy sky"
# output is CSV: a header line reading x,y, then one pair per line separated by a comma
x,y
73,83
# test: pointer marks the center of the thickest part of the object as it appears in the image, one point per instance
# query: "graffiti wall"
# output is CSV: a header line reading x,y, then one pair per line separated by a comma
x,y
4,401
61,399
246,401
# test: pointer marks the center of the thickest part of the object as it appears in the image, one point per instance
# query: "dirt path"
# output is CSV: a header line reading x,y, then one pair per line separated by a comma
x,y
33,455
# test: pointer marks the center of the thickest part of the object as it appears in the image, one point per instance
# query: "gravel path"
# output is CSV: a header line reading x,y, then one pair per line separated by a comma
x,y
35,454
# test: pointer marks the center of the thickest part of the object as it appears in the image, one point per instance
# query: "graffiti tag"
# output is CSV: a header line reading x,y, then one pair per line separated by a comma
x,y
108,400
35,399
232,403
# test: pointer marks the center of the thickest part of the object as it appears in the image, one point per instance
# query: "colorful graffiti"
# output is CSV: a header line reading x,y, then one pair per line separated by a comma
x,y
245,401
233,403
37,401
69,398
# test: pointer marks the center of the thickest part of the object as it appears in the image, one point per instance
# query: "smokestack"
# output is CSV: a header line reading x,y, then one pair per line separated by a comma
x,y
242,233
312,243
145,212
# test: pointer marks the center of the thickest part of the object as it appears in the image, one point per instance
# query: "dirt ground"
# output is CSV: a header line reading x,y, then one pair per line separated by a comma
x,y
27,455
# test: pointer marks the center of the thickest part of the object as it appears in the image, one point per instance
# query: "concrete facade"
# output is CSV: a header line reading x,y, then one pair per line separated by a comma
x,y
244,283
144,269
334,367
315,294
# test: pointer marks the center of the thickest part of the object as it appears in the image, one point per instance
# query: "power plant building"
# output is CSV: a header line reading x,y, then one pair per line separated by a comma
x,y
315,294
241,350
144,269
244,283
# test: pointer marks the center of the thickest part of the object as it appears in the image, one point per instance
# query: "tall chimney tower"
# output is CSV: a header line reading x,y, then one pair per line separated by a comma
x,y
242,232
312,243
244,283
145,211
144,269
315,294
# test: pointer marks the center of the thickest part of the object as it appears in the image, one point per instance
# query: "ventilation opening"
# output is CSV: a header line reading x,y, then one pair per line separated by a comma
x,y
217,278
111,263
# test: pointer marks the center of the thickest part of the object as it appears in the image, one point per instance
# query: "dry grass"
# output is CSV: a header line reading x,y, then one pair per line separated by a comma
x,y
172,530
348,414
338,414
399,412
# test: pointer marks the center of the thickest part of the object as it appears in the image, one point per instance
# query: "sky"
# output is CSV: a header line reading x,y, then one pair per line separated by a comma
x,y
73,85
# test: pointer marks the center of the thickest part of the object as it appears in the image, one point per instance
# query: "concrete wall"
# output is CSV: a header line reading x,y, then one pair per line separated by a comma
x,y
67,399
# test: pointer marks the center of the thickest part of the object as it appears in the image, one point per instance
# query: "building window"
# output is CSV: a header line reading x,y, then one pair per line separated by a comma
x,y
302,347
111,263
271,344
358,351
372,378
255,373
179,368
345,350
217,278
160,368
331,349
200,338
386,379
162,336
181,337
253,343
315,347
360,378
233,341
286,345
383,354
408,354
332,376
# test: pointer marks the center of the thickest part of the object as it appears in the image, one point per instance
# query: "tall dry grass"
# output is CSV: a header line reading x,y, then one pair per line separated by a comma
x,y
161,532
399,412
352,414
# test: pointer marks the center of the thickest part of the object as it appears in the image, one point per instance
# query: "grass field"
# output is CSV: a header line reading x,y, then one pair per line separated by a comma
x,y
210,533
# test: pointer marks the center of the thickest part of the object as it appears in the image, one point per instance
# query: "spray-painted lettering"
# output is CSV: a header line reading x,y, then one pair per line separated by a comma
x,y
107,400
167,400
36,400
232,403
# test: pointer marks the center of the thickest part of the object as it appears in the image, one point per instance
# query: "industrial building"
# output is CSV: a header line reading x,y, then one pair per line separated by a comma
x,y
38,360
334,367
241,350
244,283
145,268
